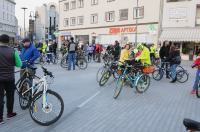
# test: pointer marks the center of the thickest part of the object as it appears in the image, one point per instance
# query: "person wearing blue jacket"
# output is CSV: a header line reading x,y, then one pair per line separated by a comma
x,y
29,53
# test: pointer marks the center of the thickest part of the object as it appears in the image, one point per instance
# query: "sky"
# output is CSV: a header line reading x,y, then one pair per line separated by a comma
x,y
30,4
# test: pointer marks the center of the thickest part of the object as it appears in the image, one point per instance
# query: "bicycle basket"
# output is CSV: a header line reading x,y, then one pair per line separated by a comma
x,y
149,69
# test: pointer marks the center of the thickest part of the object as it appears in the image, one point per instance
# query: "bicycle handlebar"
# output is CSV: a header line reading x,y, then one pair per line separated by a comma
x,y
46,72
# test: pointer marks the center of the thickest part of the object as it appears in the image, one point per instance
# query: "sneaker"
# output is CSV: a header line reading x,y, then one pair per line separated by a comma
x,y
11,115
173,81
167,77
1,121
193,91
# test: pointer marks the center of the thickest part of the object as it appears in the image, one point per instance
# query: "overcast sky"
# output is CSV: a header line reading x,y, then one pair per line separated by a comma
x,y
30,4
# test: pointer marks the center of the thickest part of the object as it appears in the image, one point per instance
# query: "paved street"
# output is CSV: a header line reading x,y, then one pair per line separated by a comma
x,y
89,108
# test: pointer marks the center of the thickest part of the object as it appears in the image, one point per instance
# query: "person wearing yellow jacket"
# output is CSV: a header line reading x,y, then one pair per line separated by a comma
x,y
44,47
144,57
124,56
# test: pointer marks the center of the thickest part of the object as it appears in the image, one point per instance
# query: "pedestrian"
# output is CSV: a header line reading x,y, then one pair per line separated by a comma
x,y
9,58
197,78
72,48
90,51
116,50
98,51
174,59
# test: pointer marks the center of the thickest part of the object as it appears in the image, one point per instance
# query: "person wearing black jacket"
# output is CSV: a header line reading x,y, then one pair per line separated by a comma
x,y
173,54
164,54
116,51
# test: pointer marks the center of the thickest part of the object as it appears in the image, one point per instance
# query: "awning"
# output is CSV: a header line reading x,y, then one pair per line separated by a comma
x,y
180,34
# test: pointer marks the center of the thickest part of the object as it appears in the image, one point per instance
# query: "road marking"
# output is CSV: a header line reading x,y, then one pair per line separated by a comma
x,y
89,99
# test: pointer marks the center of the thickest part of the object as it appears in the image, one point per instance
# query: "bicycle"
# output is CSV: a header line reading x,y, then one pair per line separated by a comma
x,y
39,91
181,74
100,72
134,76
81,62
110,70
191,125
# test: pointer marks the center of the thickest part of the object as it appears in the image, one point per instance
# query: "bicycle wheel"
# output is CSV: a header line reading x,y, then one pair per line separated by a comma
x,y
198,91
104,79
24,89
182,76
63,63
157,74
143,83
82,64
118,89
100,73
52,112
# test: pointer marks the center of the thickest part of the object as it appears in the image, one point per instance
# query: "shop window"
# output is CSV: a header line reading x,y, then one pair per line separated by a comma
x,y
110,16
185,48
123,14
138,12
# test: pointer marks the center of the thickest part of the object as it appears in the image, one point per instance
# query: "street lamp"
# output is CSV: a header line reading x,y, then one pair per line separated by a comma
x,y
24,8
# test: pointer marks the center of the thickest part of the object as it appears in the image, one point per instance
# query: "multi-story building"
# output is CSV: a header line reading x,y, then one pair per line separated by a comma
x,y
8,21
181,25
104,21
47,19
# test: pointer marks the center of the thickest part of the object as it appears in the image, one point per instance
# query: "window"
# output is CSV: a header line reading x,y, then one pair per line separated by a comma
x,y
66,22
110,0
73,4
138,12
80,20
94,2
110,16
123,14
198,15
73,21
80,3
94,18
66,6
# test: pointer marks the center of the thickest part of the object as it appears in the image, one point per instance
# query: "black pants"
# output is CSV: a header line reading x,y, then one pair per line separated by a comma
x,y
9,88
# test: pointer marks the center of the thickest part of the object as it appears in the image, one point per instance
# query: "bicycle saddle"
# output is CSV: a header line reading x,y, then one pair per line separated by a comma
x,y
191,124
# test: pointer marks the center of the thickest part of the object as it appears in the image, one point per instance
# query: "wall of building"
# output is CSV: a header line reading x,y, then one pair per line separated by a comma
x,y
151,17
7,18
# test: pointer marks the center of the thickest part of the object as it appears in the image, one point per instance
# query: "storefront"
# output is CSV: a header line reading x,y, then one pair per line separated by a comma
x,y
188,40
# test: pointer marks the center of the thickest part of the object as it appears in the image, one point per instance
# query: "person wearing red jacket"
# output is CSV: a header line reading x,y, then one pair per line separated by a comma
x,y
196,64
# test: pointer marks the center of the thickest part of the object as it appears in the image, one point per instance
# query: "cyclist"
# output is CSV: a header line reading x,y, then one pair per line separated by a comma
x,y
90,50
152,52
124,56
144,56
196,64
29,53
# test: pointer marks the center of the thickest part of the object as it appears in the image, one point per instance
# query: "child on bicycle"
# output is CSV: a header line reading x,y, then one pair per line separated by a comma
x,y
196,64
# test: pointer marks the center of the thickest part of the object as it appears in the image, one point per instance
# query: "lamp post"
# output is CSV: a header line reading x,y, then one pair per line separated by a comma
x,y
136,24
24,8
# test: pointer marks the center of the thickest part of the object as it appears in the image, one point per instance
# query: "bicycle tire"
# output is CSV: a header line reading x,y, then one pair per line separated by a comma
x,y
80,63
198,91
100,72
119,87
143,79
180,74
157,74
63,63
104,79
39,95
27,97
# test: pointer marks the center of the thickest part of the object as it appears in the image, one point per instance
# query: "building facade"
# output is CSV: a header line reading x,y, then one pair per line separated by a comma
x,y
181,25
8,21
47,20
104,21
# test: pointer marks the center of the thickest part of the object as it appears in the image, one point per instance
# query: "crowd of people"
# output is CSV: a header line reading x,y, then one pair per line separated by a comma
x,y
29,52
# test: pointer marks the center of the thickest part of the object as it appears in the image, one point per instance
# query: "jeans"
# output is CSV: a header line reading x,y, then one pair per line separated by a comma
x,y
50,57
9,87
71,60
173,71
166,66
196,82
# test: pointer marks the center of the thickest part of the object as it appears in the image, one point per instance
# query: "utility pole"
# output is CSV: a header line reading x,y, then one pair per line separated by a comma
x,y
24,8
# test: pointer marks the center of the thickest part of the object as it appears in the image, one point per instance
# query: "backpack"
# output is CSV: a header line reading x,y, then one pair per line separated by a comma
x,y
72,47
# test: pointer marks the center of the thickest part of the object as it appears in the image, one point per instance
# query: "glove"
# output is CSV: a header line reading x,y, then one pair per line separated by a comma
x,y
193,66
